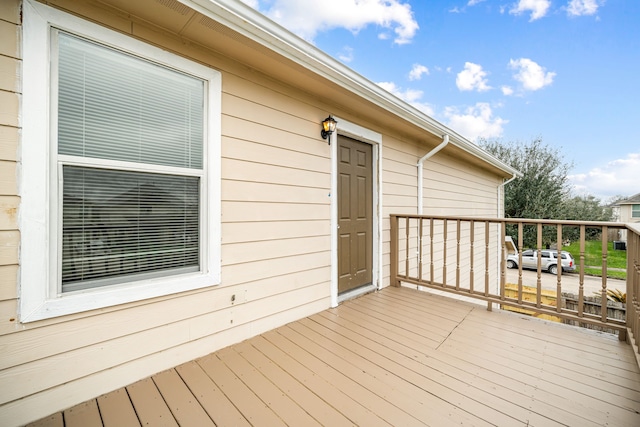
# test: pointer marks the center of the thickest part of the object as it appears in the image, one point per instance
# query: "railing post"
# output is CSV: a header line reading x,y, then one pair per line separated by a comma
x,y
581,279
559,268
503,257
394,251
603,303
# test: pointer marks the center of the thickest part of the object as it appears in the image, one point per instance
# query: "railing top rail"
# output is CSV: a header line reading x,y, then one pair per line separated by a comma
x,y
519,220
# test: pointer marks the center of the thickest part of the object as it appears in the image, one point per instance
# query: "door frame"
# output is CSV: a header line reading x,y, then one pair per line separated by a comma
x,y
367,136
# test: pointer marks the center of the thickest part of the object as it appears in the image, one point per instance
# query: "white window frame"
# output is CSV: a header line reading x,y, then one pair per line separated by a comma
x,y
635,211
40,295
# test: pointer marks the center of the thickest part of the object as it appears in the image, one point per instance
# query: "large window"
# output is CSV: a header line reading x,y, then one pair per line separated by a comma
x,y
635,211
132,170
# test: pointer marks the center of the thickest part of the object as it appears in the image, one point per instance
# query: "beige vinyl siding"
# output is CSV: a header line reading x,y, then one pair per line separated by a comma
x,y
451,187
275,252
10,66
275,202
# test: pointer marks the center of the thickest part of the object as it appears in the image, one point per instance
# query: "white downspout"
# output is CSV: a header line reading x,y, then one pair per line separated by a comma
x,y
445,141
501,187
501,215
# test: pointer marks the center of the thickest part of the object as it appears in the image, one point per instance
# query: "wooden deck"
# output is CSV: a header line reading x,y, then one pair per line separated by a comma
x,y
397,357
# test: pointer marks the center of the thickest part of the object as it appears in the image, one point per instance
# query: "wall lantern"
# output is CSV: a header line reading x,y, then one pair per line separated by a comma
x,y
328,127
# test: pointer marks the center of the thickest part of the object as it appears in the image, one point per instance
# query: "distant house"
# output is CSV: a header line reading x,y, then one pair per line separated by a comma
x,y
166,190
628,211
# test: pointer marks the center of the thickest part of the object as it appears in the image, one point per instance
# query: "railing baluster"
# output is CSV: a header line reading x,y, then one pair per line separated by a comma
x,y
502,263
444,254
458,255
520,240
486,264
394,251
603,303
420,249
432,264
539,281
559,268
471,272
406,257
581,279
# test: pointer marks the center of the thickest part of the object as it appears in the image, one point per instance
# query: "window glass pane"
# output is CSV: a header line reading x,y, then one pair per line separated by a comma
x,y
120,226
635,211
115,106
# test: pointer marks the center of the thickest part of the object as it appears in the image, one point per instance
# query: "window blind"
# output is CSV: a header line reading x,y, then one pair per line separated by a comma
x,y
124,225
116,106
119,224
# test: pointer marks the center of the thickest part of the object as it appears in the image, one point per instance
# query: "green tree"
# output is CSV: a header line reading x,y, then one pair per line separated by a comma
x,y
544,186
543,192
584,208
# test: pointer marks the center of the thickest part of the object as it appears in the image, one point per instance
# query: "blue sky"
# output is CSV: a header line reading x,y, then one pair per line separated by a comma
x,y
567,71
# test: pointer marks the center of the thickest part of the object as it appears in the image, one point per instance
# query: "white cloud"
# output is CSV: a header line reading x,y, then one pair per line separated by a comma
x,y
411,96
474,2
408,95
346,55
475,122
307,18
616,177
531,75
473,77
538,8
418,71
582,7
507,90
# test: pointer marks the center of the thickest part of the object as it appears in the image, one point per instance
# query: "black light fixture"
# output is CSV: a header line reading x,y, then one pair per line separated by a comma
x,y
328,127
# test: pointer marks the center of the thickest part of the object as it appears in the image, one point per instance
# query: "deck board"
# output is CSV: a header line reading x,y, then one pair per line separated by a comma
x,y
220,409
449,382
351,407
394,357
117,410
319,409
83,415
183,405
281,403
151,408
253,407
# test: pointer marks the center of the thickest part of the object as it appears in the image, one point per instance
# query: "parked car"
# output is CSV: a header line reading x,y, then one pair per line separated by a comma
x,y
549,260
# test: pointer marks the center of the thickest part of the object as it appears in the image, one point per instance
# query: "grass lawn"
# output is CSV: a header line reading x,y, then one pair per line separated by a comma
x,y
593,258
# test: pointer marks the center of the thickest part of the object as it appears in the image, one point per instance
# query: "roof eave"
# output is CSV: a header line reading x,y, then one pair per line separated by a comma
x,y
252,24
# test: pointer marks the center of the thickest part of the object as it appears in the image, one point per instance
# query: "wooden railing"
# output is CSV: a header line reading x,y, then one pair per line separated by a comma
x,y
633,287
468,257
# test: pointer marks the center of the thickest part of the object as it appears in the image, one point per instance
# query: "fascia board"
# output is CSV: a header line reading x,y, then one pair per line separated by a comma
x,y
252,24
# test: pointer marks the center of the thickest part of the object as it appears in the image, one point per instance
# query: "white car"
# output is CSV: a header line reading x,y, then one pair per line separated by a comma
x,y
549,260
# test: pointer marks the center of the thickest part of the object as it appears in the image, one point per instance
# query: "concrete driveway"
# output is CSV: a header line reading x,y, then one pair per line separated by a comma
x,y
570,281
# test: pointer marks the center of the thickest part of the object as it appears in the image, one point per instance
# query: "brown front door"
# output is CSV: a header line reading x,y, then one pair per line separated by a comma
x,y
355,214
